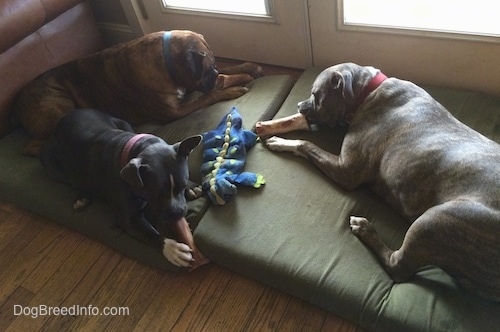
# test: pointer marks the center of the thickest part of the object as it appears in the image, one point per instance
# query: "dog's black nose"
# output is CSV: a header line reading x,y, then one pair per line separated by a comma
x,y
304,106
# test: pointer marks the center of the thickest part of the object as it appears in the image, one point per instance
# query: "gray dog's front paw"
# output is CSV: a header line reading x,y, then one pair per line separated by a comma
x,y
279,144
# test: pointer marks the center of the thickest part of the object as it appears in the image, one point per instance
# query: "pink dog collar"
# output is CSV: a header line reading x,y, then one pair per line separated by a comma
x,y
128,147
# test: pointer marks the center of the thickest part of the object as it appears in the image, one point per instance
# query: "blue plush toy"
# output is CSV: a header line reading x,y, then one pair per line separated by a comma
x,y
224,155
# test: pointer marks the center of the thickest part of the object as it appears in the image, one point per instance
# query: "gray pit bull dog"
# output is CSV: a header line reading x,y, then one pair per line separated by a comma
x,y
144,179
440,174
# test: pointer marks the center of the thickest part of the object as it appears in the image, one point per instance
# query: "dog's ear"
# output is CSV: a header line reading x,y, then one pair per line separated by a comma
x,y
131,173
185,147
195,62
343,81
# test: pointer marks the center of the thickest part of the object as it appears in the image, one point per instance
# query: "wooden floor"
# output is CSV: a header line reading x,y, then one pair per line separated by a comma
x,y
44,265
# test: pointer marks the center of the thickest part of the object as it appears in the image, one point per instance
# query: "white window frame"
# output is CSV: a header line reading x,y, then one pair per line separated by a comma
x,y
420,32
269,18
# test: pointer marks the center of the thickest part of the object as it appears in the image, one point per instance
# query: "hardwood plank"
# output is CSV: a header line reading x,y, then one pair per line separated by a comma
x,y
171,299
23,254
95,277
239,298
67,277
58,323
61,283
19,297
11,225
335,323
88,286
127,276
204,301
8,207
302,316
138,301
268,311
66,242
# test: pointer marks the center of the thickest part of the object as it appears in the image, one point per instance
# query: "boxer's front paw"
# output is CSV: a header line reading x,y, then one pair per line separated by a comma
x,y
252,69
235,92
177,253
362,228
279,144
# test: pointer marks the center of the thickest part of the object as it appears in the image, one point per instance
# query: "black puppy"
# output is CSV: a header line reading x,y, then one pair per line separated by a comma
x,y
143,178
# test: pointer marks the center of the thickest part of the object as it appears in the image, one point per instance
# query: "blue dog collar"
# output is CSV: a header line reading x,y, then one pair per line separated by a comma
x,y
166,52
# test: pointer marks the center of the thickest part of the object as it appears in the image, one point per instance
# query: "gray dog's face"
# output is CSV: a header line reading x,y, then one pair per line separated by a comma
x,y
327,104
331,95
165,181
160,177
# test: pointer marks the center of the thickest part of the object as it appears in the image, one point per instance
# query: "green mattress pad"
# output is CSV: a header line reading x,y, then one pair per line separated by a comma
x,y
294,234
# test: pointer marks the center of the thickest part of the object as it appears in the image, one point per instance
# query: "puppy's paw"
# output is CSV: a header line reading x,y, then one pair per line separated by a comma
x,y
361,227
193,192
177,253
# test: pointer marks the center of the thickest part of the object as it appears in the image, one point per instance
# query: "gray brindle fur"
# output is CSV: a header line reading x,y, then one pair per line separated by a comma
x,y
440,174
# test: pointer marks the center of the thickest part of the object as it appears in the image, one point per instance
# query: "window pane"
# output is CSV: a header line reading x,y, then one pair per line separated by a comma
x,y
247,7
460,16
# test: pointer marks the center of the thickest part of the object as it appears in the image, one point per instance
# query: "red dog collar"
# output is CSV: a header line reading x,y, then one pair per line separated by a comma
x,y
372,85
128,147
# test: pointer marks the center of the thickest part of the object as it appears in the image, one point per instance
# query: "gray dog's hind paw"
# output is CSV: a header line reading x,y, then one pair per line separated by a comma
x,y
361,226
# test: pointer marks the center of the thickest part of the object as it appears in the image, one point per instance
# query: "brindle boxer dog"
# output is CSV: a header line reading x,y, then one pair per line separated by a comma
x,y
143,80
440,174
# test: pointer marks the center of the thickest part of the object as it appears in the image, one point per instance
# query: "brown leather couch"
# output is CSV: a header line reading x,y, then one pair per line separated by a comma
x,y
37,35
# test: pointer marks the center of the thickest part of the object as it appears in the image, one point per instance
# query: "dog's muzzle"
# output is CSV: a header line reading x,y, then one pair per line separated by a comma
x,y
306,106
208,81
